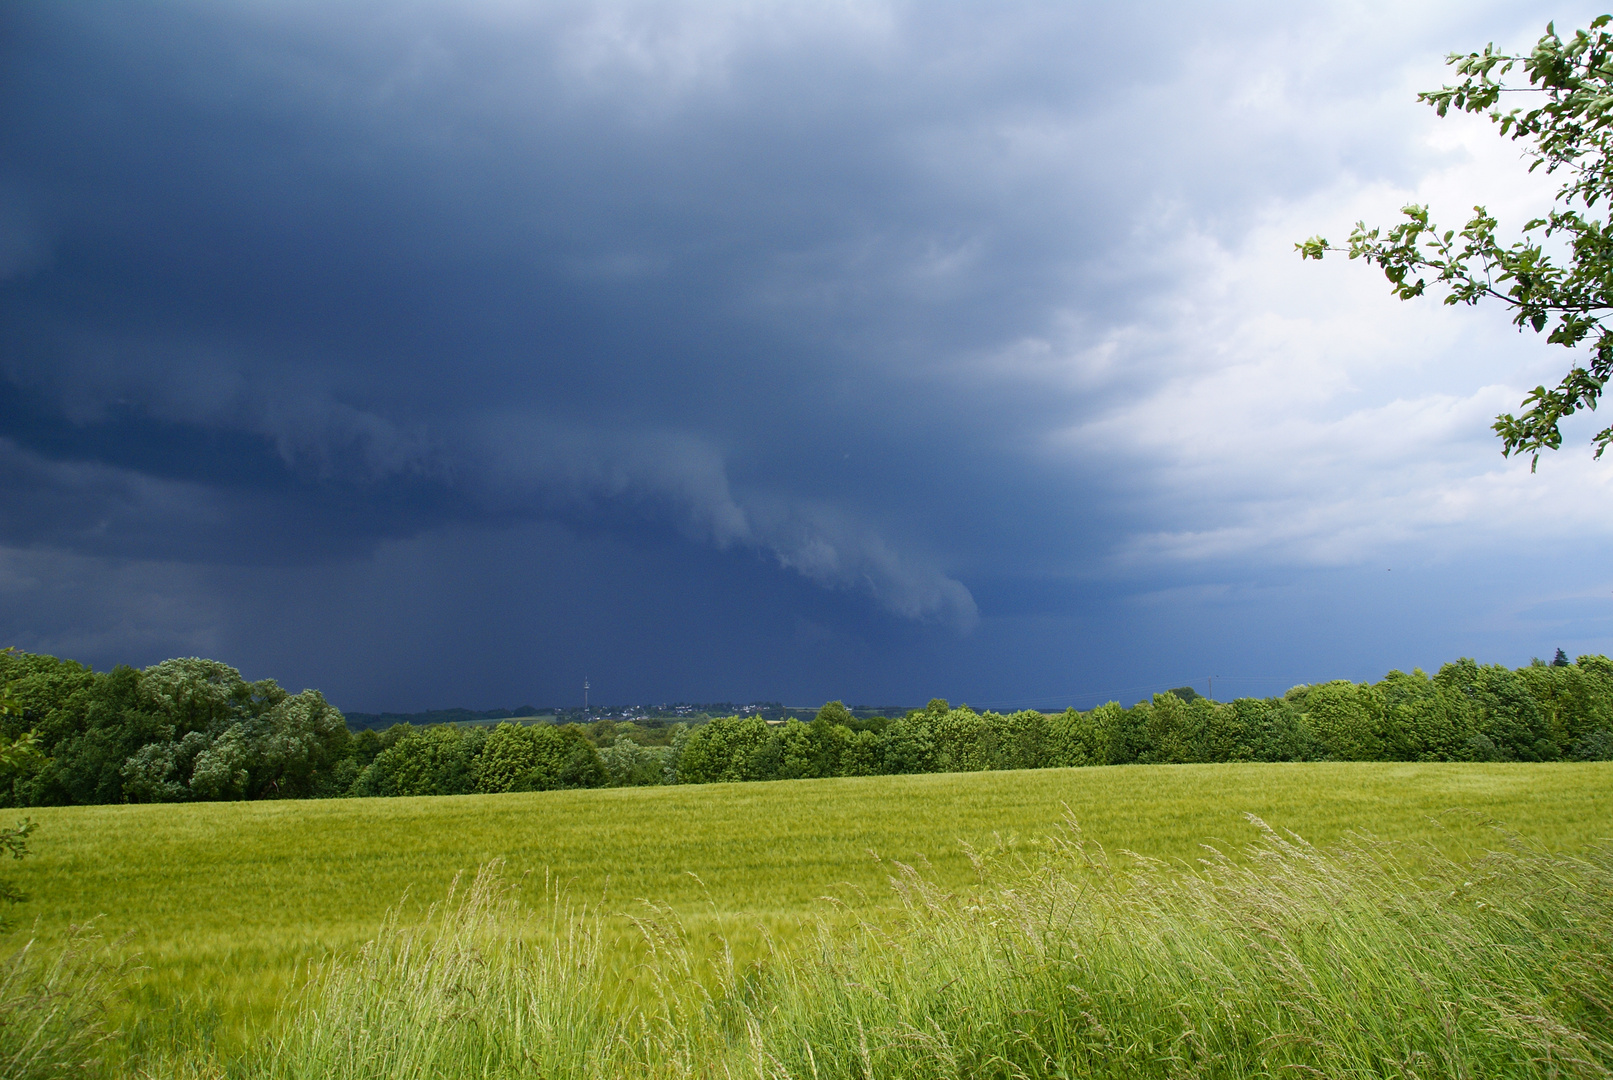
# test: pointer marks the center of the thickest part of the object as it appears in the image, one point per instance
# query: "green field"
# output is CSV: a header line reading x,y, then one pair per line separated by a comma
x,y
224,901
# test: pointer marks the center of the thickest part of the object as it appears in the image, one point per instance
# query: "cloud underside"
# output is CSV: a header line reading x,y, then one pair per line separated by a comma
x,y
927,308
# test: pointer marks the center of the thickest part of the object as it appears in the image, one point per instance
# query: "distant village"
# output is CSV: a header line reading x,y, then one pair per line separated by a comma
x,y
649,716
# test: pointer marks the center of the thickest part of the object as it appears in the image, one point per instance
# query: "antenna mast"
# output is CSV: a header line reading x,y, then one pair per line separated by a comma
x,y
585,695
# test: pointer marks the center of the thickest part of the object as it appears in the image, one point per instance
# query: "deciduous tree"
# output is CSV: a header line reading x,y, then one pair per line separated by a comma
x,y
1557,279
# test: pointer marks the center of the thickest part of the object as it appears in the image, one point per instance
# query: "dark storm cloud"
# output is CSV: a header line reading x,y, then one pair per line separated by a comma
x,y
564,259
289,292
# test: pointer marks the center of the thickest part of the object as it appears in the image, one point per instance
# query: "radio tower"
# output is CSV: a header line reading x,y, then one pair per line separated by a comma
x,y
585,695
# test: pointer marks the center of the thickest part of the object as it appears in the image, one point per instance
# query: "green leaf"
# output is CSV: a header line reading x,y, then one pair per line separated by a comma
x,y
1566,131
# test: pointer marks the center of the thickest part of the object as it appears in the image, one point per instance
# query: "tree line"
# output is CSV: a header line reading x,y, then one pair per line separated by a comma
x,y
193,729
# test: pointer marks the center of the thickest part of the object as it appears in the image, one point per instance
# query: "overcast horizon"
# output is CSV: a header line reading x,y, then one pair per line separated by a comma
x,y
438,355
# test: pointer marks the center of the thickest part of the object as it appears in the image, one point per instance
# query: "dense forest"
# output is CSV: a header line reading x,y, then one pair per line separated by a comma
x,y
190,729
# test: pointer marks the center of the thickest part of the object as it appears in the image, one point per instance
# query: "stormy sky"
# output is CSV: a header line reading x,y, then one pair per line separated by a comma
x,y
440,354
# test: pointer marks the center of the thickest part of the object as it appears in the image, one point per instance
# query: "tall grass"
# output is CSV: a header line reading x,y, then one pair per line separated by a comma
x,y
227,902
479,989
1297,961
53,1008
1289,960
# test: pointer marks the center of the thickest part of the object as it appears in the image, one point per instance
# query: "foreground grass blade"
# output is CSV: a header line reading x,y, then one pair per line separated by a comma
x,y
1287,960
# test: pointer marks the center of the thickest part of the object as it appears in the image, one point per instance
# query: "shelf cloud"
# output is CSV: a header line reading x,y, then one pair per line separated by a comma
x,y
436,353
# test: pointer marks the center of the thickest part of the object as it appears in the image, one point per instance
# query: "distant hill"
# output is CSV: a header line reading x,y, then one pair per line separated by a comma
x,y
651,714
358,721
